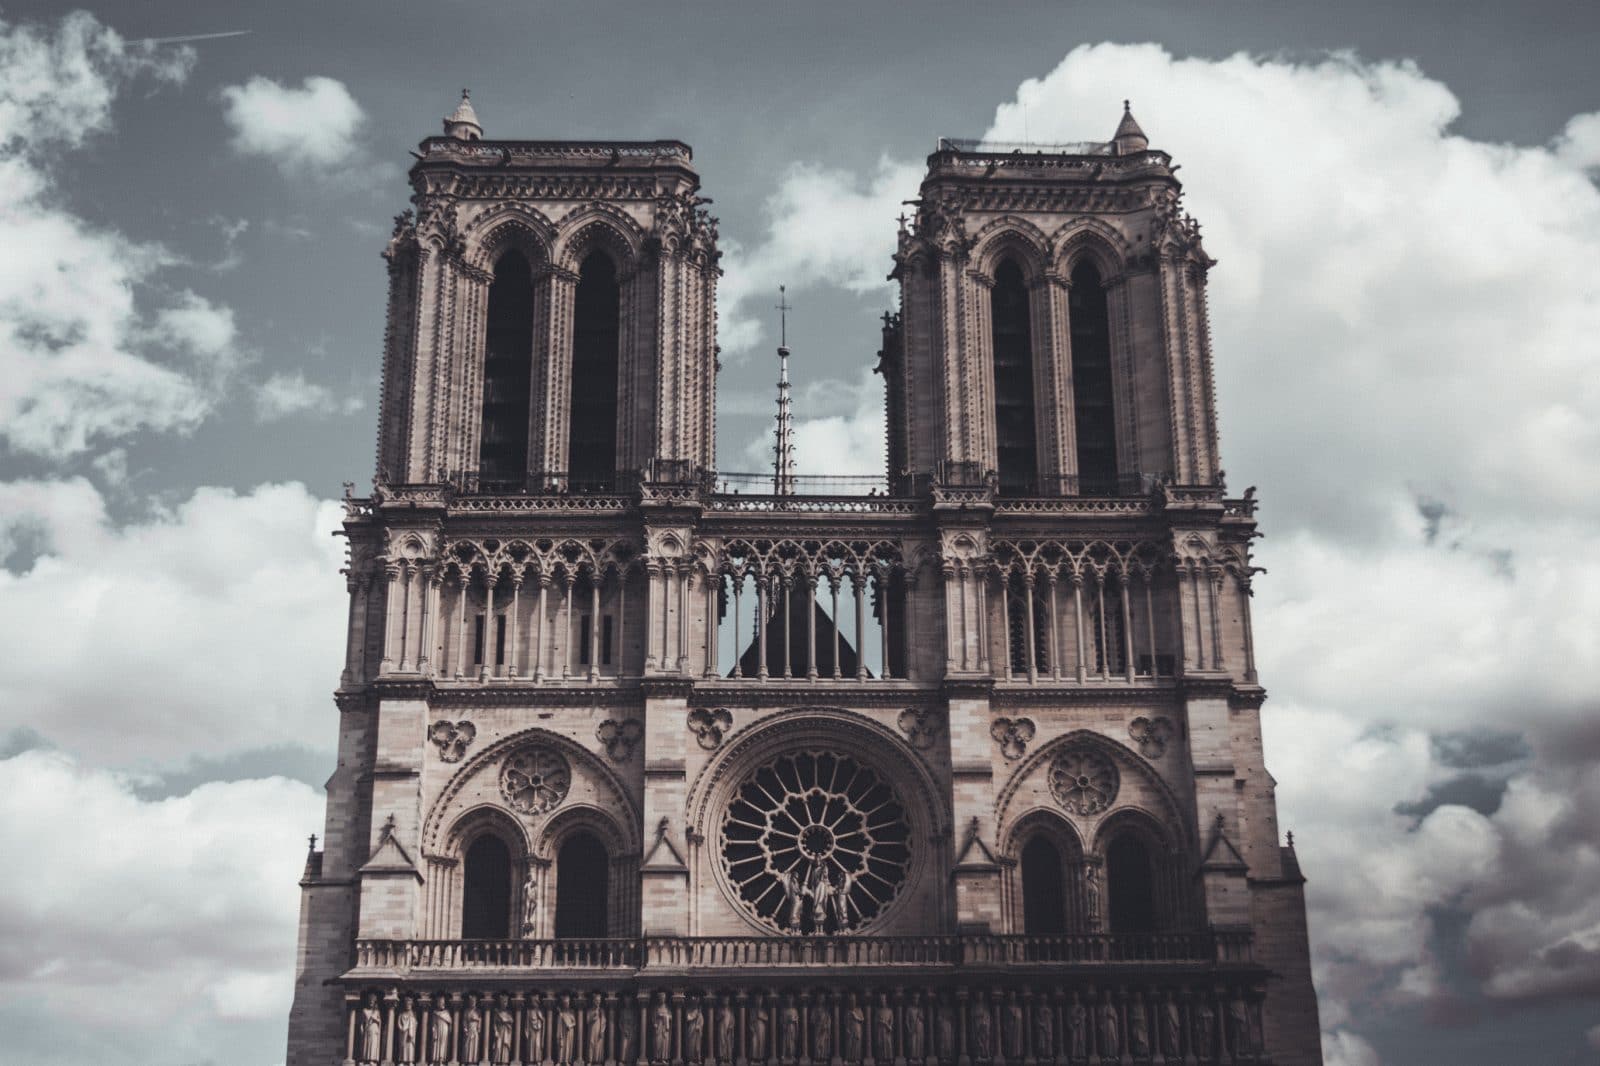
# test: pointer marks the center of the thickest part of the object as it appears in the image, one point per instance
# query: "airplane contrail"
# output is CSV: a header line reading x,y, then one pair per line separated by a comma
x,y
186,38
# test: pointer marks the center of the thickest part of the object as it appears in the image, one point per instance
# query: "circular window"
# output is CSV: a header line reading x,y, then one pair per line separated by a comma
x,y
1083,781
815,842
535,780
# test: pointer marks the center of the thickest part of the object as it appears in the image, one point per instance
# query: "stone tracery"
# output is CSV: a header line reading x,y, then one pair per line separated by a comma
x,y
535,779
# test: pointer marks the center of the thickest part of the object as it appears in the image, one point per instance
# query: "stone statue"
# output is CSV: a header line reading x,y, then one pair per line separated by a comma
x,y
1138,1029
371,1030
1078,1027
1110,1031
595,1022
1091,894
534,1037
405,1028
566,1030
1171,1029
694,1032
530,906
1044,1030
502,1030
1205,1020
855,1025
916,1029
758,1031
472,1033
821,1031
627,1031
1240,1031
793,896
883,1030
1011,1027
982,1031
440,1025
661,1030
727,1021
790,1020
946,1027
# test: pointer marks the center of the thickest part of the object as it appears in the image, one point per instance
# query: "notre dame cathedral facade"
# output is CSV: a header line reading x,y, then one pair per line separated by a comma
x,y
645,764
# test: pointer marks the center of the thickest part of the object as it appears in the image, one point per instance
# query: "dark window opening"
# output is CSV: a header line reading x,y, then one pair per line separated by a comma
x,y
1013,381
1092,406
592,444
1020,631
507,370
605,640
499,640
1044,898
477,641
486,895
582,875
1130,884
584,648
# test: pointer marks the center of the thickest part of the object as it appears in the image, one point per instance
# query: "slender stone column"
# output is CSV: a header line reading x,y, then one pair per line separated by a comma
x,y
738,604
883,613
538,627
713,630
1127,625
430,620
859,584
833,586
1077,626
594,627
788,657
1005,621
391,639
407,574
1150,626
511,637
1028,630
566,629
463,582
486,671
685,578
1055,630
761,626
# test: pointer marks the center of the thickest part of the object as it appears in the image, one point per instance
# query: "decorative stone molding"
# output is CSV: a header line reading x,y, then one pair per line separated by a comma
x,y
1083,780
709,726
1151,734
535,779
619,738
1012,734
921,725
452,738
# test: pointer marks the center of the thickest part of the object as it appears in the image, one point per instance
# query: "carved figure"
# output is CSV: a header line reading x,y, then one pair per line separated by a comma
x,y
1110,1031
1091,894
1205,1020
472,1032
694,1031
661,1030
946,1029
855,1027
530,907
824,903
1078,1026
405,1028
1011,1026
982,1032
758,1032
1171,1029
502,1027
440,1026
1138,1029
916,1029
821,1031
1044,1030
627,1031
883,1029
371,1030
793,896
1240,1031
534,1036
789,1032
727,1020
595,1023
566,1030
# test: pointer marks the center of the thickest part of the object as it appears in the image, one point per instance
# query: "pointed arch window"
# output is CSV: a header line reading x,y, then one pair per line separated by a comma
x,y
507,375
1015,448
1092,408
592,415
1131,885
486,893
1044,895
582,887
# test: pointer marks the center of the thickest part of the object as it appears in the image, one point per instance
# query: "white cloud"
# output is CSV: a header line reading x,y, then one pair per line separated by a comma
x,y
1579,143
214,626
850,444
147,931
89,357
287,395
314,128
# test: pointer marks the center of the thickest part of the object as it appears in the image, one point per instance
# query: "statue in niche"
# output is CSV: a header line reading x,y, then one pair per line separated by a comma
x,y
530,906
821,1030
661,1030
945,1026
1138,1028
727,1023
535,1034
883,1029
1011,1027
1205,1020
793,896
440,1025
371,1030
855,1026
1240,1031
1171,1028
1091,894
982,1031
595,1022
1078,1026
915,1023
627,1031
1110,1030
694,1031
566,1030
1044,1029
502,1029
405,1029
471,1033
758,1031
790,1019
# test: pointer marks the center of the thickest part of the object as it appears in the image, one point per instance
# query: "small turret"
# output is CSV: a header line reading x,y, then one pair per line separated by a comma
x,y
462,124
1129,138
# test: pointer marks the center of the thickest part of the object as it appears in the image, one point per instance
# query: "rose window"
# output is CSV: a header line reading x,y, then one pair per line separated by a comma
x,y
1083,781
815,842
535,780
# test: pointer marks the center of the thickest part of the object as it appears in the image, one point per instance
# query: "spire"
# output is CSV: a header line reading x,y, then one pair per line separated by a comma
x,y
1129,138
463,122
783,446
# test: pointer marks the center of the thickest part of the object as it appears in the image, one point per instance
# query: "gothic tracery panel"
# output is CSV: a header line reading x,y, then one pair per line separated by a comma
x,y
535,779
1083,781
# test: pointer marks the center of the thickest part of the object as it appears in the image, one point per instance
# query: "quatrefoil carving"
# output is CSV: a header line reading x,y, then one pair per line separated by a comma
x,y
709,726
452,738
1012,734
619,737
1151,734
921,725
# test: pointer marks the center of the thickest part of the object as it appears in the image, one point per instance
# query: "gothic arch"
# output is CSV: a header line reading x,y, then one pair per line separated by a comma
x,y
482,819
1094,239
1026,244
508,226
602,227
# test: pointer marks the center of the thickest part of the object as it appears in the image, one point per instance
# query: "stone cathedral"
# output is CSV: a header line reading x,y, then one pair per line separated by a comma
x,y
646,763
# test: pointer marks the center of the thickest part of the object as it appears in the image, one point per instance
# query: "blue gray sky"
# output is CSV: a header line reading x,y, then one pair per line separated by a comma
x,y
1402,198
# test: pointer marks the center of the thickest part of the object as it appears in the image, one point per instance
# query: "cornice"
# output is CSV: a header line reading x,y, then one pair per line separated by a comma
x,y
1163,694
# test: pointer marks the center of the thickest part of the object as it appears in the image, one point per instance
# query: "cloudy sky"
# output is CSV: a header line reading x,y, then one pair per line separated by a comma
x,y
1403,200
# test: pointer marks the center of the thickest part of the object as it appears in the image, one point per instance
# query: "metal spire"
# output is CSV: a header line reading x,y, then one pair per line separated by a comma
x,y
783,445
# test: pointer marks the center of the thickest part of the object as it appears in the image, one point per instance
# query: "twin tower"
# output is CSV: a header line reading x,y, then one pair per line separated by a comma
x,y
636,770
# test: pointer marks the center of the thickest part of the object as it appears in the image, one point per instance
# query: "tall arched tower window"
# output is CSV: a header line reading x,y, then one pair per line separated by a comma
x,y
1016,455
1044,897
592,443
1092,406
1131,884
507,371
582,888
486,894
